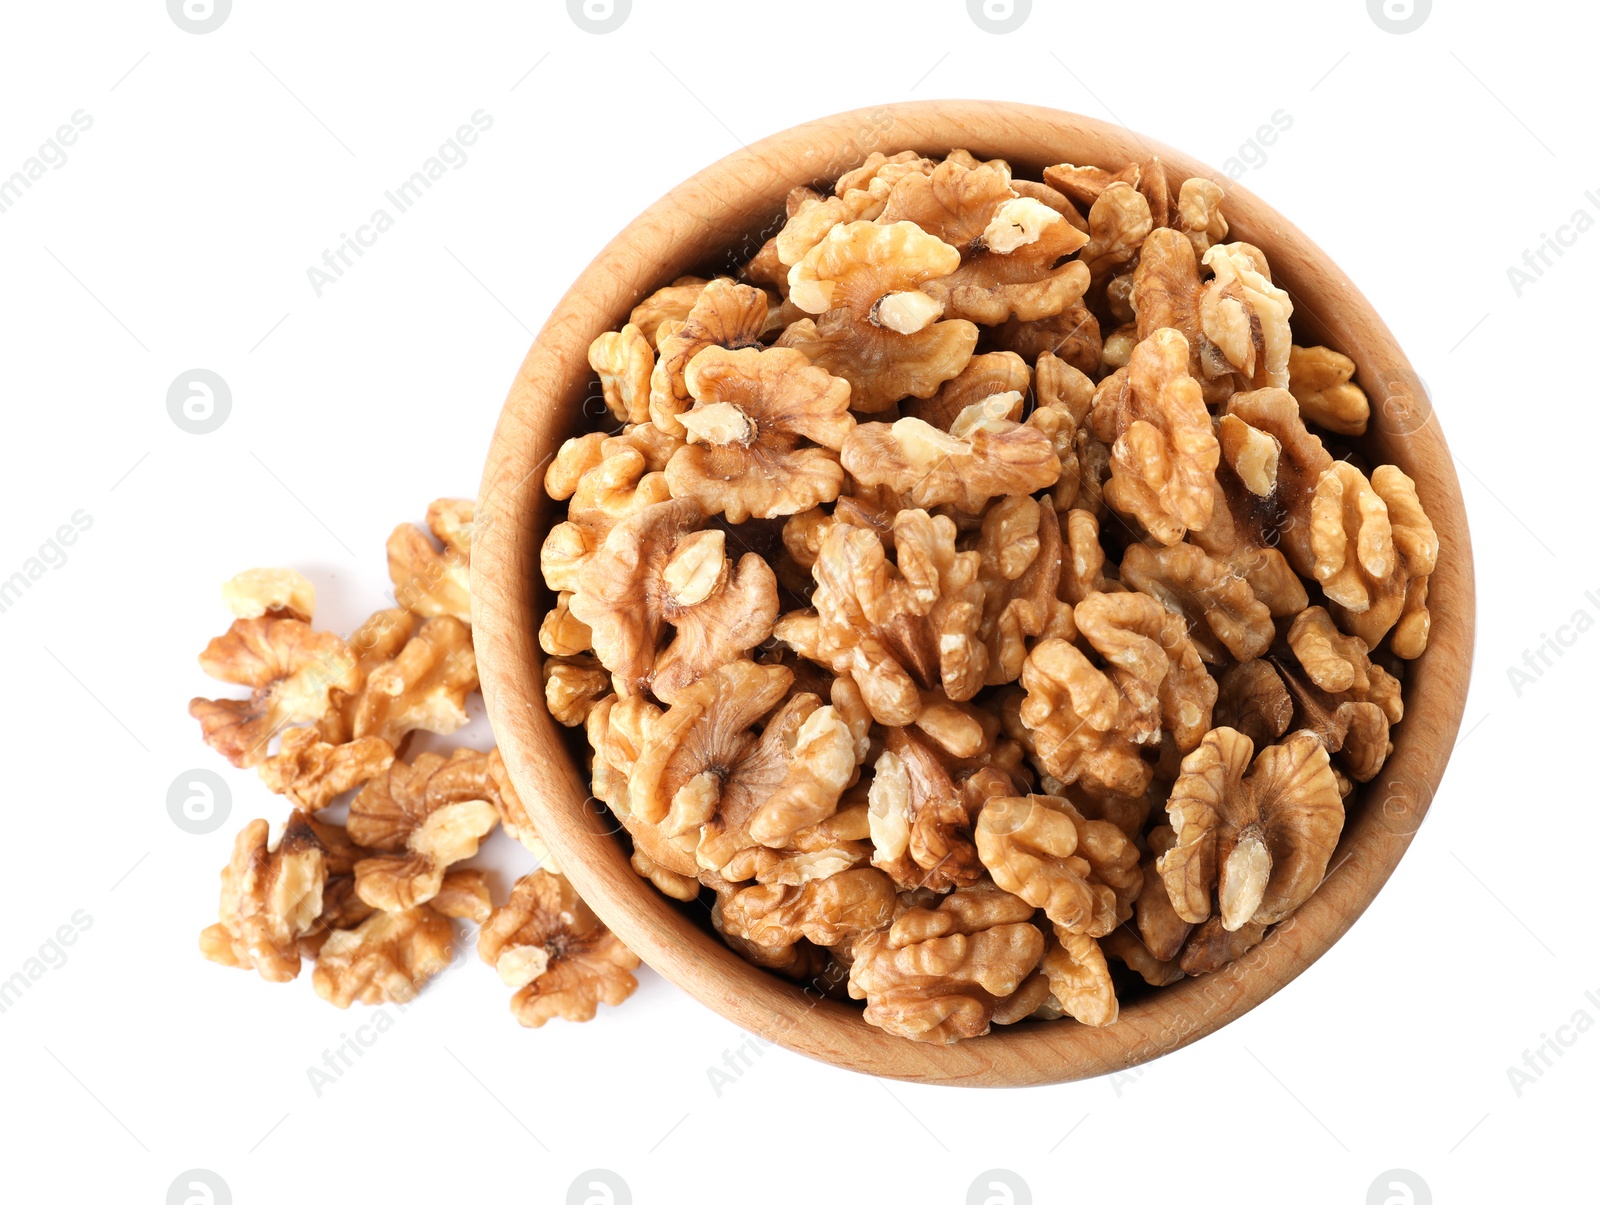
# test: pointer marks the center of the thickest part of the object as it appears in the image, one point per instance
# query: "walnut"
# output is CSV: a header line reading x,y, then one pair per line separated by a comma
x,y
563,634
669,304
1212,946
726,314
984,377
1080,981
425,687
1246,315
1074,719
428,582
918,820
385,959
1166,292
1009,269
1251,698
1119,221
876,328
753,411
624,360
858,195
573,685
464,895
1224,616
1373,549
1339,694
1083,185
293,672
900,628
1249,529
1083,873
1161,930
1199,214
271,898
1073,334
1063,398
420,820
1127,949
549,946
839,842
1157,669
271,594
658,569
1020,550
955,202
311,773
1260,841
618,730
826,912
939,973
607,479
1163,451
1319,378
980,458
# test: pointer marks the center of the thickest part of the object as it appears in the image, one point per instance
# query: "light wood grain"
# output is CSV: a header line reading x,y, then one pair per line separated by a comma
x,y
691,229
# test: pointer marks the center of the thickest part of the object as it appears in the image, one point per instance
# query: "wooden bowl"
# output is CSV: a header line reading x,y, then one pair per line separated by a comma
x,y
711,223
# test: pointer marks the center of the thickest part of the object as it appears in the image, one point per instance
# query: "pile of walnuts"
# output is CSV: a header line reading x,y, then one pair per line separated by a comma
x,y
981,585
371,900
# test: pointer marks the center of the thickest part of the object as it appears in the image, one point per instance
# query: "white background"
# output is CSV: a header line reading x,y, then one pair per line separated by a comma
x,y
177,235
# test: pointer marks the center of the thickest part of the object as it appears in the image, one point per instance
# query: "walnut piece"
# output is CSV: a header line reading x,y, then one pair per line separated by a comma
x,y
980,458
549,946
1080,981
669,304
1319,378
918,819
727,315
428,581
863,280
1163,451
938,974
659,569
573,685
1156,667
1260,841
270,593
624,361
420,820
387,959
898,629
1076,722
293,672
424,688
1020,567
763,435
608,478
1224,617
271,898
826,912
1083,873
312,773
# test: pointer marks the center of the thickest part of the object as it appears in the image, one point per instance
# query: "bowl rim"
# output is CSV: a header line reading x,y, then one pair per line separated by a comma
x,y
694,223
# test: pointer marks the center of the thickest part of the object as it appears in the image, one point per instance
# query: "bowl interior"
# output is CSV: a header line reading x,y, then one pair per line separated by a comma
x,y
713,223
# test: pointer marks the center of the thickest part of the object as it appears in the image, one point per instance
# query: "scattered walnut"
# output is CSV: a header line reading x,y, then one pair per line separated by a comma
x,y
1083,873
386,959
420,819
1163,452
428,582
311,773
864,281
659,569
1320,380
270,594
764,434
896,629
1261,841
425,687
293,672
549,946
937,974
271,898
